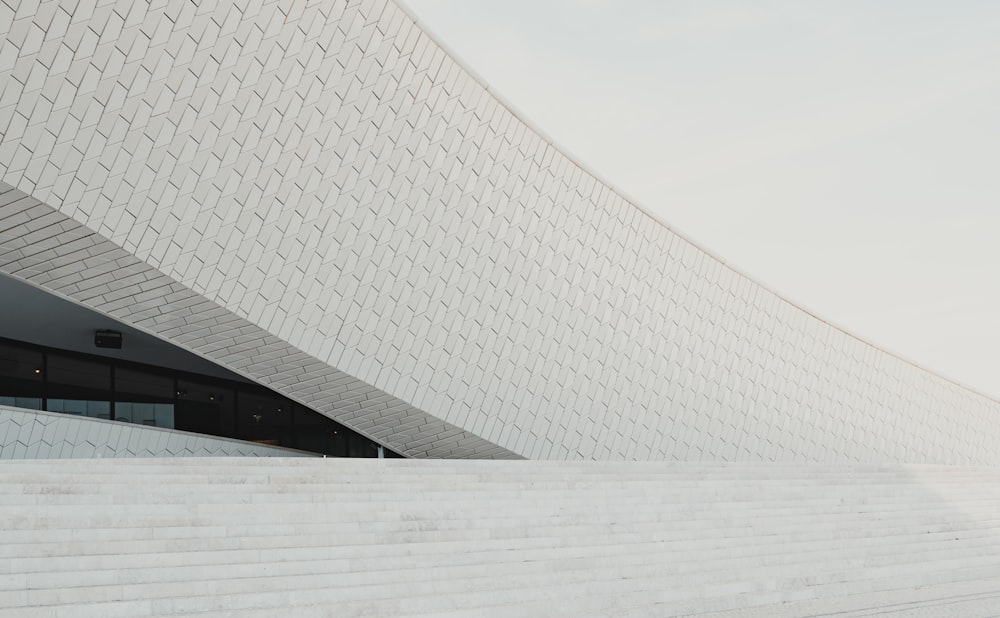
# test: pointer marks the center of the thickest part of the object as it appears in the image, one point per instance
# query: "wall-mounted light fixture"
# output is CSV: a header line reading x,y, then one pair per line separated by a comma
x,y
108,339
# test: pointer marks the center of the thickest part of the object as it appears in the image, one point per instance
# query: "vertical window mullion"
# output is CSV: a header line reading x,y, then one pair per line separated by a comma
x,y
45,379
111,412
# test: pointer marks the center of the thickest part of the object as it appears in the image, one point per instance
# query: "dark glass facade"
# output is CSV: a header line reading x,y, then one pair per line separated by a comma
x,y
40,378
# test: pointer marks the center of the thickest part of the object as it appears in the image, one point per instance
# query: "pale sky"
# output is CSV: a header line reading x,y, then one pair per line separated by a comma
x,y
846,154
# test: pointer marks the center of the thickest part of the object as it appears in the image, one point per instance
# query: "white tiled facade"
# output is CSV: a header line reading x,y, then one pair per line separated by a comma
x,y
30,434
315,195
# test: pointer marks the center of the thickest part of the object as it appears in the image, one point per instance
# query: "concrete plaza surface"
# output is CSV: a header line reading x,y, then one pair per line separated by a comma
x,y
336,537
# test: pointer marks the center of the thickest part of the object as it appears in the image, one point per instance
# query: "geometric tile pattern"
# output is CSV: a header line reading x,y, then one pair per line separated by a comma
x,y
45,248
29,434
326,186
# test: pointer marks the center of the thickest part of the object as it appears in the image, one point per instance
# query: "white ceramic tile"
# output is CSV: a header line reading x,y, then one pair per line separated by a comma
x,y
331,180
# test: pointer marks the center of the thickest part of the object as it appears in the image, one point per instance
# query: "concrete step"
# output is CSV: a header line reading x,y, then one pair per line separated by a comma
x,y
687,570
475,551
397,537
40,543
366,594
129,515
352,543
472,547
240,579
969,599
156,526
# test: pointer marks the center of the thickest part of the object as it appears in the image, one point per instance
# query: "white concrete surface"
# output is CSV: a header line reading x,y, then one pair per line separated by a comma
x,y
337,537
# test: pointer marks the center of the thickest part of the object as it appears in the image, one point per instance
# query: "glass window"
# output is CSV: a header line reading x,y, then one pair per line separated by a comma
x,y
77,386
360,446
144,398
263,417
204,407
314,432
20,377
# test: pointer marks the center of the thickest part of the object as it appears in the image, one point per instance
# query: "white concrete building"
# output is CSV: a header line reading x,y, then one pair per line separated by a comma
x,y
253,228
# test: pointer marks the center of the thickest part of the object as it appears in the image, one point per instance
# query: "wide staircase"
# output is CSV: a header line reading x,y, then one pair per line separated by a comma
x,y
338,537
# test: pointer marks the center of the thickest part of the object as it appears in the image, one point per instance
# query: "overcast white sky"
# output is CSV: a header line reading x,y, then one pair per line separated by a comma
x,y
847,154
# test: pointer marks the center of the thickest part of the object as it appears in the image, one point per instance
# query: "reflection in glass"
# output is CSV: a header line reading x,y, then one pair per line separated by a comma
x,y
20,377
35,378
144,398
360,446
204,407
319,434
30,403
80,407
77,386
263,418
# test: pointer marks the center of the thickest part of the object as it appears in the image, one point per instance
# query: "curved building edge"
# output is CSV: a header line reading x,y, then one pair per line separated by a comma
x,y
638,205
369,227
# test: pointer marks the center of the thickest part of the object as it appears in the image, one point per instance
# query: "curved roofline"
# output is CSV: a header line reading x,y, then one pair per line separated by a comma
x,y
576,160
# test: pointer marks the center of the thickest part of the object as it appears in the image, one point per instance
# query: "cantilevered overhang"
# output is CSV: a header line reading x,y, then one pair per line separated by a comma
x,y
43,247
